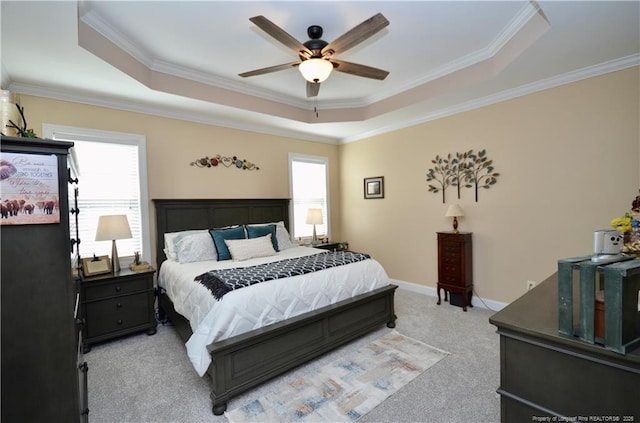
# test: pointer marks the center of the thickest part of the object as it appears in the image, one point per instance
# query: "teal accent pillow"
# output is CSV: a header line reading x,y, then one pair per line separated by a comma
x,y
262,230
219,235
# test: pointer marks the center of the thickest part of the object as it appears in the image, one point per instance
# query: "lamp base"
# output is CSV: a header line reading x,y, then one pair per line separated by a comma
x,y
115,261
455,225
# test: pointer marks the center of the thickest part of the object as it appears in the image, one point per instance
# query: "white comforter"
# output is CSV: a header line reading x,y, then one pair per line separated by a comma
x,y
250,308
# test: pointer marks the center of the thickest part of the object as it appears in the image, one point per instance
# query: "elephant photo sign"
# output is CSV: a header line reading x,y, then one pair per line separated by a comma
x,y
29,189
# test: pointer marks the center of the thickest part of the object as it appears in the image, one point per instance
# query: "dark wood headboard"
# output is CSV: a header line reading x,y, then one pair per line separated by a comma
x,y
184,214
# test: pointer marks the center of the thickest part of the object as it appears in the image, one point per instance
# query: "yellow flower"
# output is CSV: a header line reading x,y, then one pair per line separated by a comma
x,y
622,224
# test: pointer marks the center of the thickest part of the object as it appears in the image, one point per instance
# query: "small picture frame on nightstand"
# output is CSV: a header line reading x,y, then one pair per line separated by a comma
x,y
96,265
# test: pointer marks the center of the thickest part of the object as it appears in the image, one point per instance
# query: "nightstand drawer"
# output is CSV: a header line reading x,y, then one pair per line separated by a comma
x,y
117,314
119,287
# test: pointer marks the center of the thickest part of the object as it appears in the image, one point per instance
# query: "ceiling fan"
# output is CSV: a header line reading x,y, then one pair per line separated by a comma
x,y
316,55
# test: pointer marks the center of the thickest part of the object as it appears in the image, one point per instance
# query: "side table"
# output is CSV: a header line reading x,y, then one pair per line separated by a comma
x,y
113,305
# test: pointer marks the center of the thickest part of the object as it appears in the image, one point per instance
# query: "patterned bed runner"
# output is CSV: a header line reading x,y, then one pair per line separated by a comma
x,y
222,281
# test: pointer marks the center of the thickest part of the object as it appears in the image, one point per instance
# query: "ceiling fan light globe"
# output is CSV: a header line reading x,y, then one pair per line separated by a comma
x,y
315,70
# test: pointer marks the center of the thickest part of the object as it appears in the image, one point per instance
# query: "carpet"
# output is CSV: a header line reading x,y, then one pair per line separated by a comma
x,y
345,389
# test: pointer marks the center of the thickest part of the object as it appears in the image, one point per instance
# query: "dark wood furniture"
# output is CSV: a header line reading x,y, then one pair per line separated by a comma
x,y
244,361
455,266
544,373
117,304
331,246
40,371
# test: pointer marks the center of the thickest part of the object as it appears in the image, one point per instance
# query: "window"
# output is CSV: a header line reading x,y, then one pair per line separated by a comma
x,y
112,175
309,187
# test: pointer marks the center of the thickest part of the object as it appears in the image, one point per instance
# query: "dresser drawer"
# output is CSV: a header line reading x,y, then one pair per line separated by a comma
x,y
119,287
450,279
117,314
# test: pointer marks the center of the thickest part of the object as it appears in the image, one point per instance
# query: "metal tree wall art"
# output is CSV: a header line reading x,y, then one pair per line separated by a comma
x,y
459,170
440,174
480,172
468,169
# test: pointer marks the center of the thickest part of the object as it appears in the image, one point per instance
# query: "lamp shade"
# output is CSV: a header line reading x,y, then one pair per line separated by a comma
x,y
315,70
113,227
314,216
454,210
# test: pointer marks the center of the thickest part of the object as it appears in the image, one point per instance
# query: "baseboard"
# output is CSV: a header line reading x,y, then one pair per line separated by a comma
x,y
431,291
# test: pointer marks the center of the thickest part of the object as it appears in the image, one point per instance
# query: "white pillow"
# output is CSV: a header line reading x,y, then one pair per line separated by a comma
x,y
282,235
171,238
196,247
245,249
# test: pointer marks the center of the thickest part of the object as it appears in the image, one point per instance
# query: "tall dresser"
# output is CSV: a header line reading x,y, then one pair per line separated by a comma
x,y
455,267
40,372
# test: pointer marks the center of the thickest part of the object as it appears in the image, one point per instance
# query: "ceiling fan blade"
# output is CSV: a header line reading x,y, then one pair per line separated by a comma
x,y
280,34
356,35
359,70
312,89
269,69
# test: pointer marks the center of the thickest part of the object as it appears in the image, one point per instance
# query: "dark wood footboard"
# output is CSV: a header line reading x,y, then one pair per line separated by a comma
x,y
245,361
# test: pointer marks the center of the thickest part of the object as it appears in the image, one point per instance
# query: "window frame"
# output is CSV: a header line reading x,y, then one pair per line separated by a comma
x,y
71,133
299,157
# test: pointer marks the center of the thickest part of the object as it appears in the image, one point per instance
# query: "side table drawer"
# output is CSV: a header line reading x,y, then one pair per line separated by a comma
x,y
117,314
120,287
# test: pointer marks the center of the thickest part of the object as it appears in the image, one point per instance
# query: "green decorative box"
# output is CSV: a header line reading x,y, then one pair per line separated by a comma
x,y
578,277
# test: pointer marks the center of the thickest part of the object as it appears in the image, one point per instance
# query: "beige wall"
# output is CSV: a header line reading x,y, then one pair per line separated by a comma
x,y
568,159
173,144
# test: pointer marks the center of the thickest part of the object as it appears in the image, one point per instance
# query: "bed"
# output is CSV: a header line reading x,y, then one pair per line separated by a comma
x,y
242,361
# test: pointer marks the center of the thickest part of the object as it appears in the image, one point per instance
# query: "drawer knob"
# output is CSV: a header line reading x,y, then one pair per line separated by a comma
x,y
118,289
119,321
119,305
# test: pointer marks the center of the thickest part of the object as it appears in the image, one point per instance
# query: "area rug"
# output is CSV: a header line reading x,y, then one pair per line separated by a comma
x,y
347,388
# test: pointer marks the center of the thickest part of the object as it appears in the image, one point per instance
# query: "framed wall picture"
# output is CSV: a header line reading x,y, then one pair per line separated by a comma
x,y
96,265
374,187
29,187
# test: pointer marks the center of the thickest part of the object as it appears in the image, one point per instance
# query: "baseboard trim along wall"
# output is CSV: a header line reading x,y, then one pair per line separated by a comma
x,y
431,291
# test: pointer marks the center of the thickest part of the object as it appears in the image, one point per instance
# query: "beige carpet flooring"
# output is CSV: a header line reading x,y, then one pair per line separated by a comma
x,y
144,378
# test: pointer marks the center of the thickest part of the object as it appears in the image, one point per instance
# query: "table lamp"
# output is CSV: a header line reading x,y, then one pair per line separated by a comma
x,y
113,227
454,211
314,217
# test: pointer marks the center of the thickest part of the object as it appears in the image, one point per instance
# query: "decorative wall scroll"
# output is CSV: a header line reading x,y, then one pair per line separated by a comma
x,y
468,170
29,187
219,160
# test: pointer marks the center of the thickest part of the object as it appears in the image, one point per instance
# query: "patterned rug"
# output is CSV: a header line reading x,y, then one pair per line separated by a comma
x,y
346,389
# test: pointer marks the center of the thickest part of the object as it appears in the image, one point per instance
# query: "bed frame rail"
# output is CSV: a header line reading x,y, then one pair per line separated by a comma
x,y
245,361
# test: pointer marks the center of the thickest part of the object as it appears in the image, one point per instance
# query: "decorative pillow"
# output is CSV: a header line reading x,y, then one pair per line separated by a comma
x,y
196,247
245,249
256,231
282,235
171,238
219,235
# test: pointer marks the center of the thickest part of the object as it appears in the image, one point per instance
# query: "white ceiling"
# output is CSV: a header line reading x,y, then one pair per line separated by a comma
x,y
181,59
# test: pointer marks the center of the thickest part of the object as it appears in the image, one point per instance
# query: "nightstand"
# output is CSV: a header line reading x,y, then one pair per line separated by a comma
x,y
333,246
114,305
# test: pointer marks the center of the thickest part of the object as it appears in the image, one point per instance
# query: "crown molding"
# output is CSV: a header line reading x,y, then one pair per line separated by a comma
x,y
171,113
95,21
566,78
509,32
165,112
